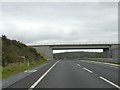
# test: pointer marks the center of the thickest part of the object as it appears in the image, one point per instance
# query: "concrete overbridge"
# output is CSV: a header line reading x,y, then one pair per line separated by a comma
x,y
109,50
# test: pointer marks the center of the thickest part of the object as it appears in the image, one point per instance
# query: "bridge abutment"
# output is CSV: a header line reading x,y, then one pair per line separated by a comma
x,y
107,53
112,52
46,51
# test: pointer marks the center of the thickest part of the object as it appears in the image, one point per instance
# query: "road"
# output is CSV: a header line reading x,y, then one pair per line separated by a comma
x,y
71,74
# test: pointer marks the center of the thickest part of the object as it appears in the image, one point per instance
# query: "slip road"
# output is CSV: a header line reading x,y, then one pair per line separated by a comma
x,y
71,74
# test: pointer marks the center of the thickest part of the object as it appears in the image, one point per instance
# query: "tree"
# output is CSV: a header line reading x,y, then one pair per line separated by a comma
x,y
4,37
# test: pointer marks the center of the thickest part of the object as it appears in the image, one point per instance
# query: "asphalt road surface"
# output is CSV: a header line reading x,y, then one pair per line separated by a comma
x,y
71,74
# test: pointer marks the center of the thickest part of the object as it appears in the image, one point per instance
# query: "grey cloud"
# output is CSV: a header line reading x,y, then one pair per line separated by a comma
x,y
45,22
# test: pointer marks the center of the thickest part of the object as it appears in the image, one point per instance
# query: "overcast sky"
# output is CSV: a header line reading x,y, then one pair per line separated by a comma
x,y
38,22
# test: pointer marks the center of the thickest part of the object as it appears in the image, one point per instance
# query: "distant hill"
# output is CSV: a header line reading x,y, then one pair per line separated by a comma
x,y
16,52
78,55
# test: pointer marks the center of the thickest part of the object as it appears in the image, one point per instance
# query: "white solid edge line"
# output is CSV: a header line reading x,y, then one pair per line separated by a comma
x,y
87,69
78,65
33,86
116,66
110,82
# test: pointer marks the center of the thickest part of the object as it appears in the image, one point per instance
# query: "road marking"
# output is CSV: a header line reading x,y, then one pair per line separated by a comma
x,y
110,82
79,65
35,84
87,70
112,64
115,65
30,71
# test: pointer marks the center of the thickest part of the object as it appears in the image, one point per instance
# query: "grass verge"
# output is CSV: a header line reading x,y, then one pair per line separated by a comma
x,y
0,73
16,68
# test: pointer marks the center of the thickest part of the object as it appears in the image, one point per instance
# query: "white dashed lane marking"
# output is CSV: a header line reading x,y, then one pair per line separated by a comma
x,y
110,82
117,86
87,70
79,65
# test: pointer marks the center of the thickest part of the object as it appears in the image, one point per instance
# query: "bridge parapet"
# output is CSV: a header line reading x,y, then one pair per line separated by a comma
x,y
76,43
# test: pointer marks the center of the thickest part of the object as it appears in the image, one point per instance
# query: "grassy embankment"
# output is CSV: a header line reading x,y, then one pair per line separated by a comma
x,y
16,55
0,73
16,68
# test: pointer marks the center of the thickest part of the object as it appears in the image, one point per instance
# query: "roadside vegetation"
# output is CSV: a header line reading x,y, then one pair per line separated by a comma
x,y
12,69
0,73
17,57
91,56
77,55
